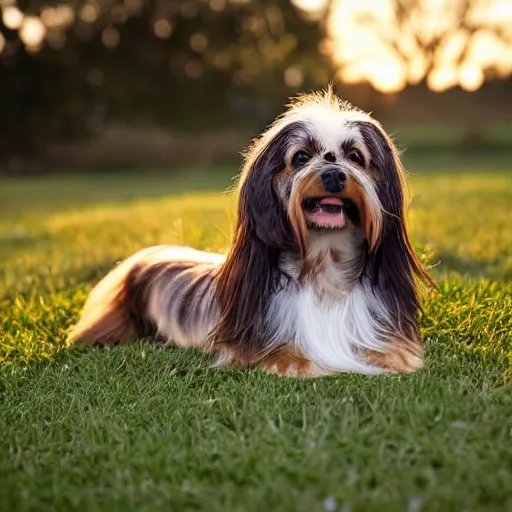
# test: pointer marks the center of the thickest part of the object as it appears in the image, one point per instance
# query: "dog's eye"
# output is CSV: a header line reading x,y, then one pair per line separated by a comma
x,y
356,157
300,158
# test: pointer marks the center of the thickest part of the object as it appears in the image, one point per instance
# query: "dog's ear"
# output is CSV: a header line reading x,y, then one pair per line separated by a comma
x,y
259,203
392,266
250,275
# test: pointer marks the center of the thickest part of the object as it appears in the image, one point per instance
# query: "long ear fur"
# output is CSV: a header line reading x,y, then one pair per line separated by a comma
x,y
250,275
393,266
259,204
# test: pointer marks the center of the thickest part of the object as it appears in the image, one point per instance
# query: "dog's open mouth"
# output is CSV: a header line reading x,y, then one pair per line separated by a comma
x,y
327,212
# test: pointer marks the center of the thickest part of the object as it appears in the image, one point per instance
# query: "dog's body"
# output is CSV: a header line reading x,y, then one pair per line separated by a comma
x,y
320,277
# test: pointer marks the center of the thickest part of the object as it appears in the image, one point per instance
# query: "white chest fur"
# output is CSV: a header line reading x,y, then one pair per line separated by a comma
x,y
329,317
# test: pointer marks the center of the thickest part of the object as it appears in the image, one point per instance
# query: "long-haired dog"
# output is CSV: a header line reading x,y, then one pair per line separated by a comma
x,y
320,277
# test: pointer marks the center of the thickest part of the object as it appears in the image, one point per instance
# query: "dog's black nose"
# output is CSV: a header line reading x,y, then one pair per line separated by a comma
x,y
333,180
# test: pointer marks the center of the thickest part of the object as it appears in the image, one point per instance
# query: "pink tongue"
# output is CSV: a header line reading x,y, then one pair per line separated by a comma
x,y
327,219
331,200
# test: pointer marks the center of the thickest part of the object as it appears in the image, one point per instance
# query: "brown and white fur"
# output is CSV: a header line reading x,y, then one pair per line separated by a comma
x,y
320,278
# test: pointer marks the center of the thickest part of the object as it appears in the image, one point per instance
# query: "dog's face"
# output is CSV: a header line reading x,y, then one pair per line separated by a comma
x,y
327,182
322,166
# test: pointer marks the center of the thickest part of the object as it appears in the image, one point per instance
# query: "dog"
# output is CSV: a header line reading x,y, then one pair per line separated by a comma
x,y
320,277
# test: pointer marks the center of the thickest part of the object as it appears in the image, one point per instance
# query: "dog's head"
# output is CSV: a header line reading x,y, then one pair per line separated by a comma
x,y
323,167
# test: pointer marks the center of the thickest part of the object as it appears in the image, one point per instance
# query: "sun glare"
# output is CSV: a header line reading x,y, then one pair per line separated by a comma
x,y
441,79
58,17
367,44
12,17
32,32
471,77
312,8
366,40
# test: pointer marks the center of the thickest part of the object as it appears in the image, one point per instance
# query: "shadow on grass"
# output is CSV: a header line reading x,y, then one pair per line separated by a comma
x,y
59,193
496,269
23,241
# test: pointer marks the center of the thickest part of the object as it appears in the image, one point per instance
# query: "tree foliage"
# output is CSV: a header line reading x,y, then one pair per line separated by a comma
x,y
395,43
202,64
187,64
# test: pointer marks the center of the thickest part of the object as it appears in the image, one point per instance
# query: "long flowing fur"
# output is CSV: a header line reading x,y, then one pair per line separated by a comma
x,y
250,276
394,267
295,299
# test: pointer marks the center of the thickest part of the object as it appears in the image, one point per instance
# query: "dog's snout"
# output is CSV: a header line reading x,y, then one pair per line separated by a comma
x,y
333,180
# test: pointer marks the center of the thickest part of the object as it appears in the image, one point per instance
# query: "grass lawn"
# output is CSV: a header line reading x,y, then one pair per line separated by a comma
x,y
148,428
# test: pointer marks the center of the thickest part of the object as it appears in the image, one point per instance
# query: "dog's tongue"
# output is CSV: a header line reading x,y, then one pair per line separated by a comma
x,y
329,213
331,200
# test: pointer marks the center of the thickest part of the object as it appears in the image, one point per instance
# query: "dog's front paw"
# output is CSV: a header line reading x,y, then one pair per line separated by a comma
x,y
288,362
398,356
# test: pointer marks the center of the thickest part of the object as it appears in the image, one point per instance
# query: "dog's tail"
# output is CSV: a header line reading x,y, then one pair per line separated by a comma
x,y
109,316
159,290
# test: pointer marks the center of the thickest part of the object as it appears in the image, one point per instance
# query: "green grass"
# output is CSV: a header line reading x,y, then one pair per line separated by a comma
x,y
148,428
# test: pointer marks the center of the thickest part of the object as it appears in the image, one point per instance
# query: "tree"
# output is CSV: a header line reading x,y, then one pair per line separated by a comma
x,y
186,64
394,43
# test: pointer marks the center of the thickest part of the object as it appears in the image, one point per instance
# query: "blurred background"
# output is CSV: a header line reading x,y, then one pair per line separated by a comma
x,y
117,84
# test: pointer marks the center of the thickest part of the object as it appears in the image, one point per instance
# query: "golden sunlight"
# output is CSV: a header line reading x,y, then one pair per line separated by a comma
x,y
12,17
162,28
314,9
375,41
89,13
32,32
61,16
